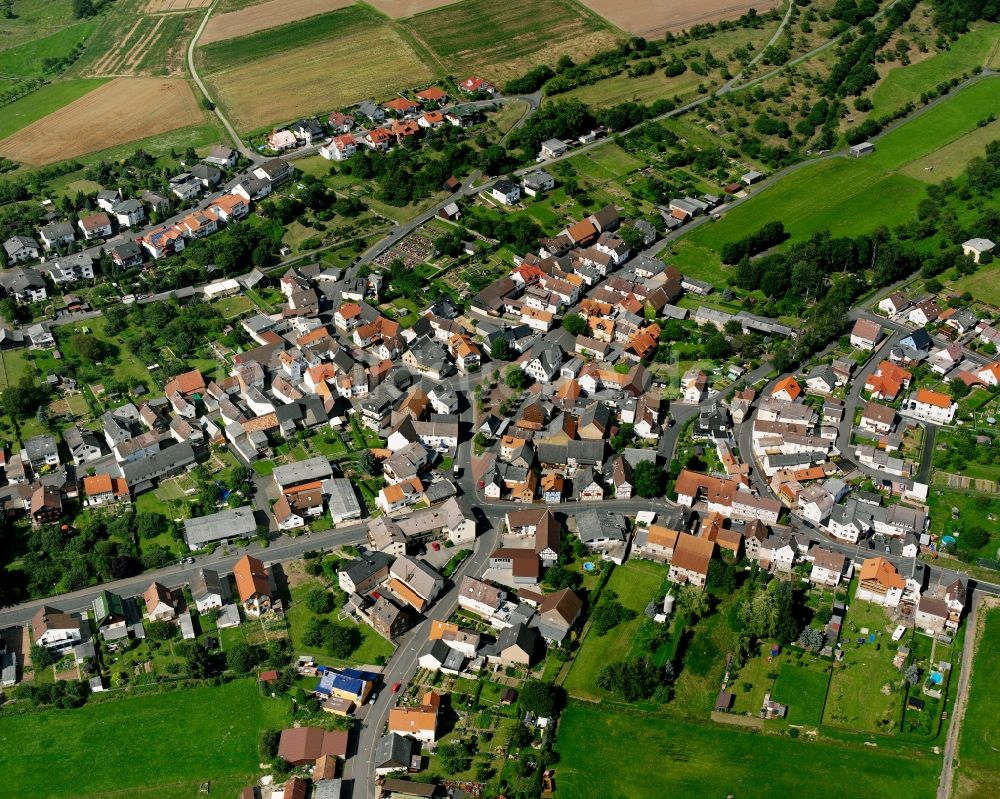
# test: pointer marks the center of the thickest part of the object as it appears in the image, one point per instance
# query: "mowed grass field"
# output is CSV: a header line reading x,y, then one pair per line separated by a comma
x,y
34,18
26,60
848,196
978,773
612,756
904,84
504,40
154,746
636,583
985,282
44,101
124,110
803,689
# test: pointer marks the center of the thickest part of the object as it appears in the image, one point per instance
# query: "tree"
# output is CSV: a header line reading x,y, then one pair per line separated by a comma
x,y
648,479
632,236
200,663
334,639
160,630
574,324
150,525
41,657
91,349
693,601
319,601
912,674
454,757
537,697
623,437
812,639
609,614
516,378
243,658
368,462
267,744
500,349
958,388
559,577
721,578
975,537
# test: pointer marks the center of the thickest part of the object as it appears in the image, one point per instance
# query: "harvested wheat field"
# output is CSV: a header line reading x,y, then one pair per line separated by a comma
x,y
653,18
400,9
151,45
266,15
159,6
308,80
123,110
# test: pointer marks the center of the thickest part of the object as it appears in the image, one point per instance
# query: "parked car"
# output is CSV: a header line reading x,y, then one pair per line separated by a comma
x,y
396,686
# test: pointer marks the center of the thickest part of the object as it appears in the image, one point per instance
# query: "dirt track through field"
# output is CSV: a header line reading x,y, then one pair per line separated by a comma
x,y
120,111
103,64
265,15
134,56
652,18
160,6
400,9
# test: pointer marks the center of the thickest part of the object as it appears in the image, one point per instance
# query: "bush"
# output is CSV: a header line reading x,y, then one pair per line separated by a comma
x,y
319,601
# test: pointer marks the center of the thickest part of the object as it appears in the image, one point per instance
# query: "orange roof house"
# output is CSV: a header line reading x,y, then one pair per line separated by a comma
x,y
881,572
252,584
643,342
887,381
583,232
187,384
419,722
401,105
935,398
432,94
787,388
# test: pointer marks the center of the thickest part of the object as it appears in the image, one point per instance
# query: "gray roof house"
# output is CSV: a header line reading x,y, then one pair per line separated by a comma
x,y
395,752
21,248
210,590
230,523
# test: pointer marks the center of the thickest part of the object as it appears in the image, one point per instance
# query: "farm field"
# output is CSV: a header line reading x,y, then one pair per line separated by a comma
x,y
158,6
121,111
845,195
951,160
152,760
684,759
636,583
653,19
222,55
501,41
978,771
145,45
25,61
265,15
399,9
34,18
44,101
904,84
373,63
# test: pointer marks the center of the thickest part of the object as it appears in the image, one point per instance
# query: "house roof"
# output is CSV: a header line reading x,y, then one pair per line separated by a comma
x,y
935,398
302,744
156,594
251,578
788,384
883,572
693,554
563,606
867,329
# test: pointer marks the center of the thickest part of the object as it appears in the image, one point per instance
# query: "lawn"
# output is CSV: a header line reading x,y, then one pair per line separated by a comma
x,y
606,162
153,746
231,307
372,645
905,84
857,698
803,689
636,583
633,756
984,282
646,89
844,195
978,772
44,101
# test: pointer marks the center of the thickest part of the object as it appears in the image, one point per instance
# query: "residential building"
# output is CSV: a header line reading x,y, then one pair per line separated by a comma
x,y
880,583
253,585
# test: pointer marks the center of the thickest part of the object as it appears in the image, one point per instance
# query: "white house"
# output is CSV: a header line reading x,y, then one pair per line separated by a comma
x,y
930,406
829,567
976,247
866,334
506,192
339,148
